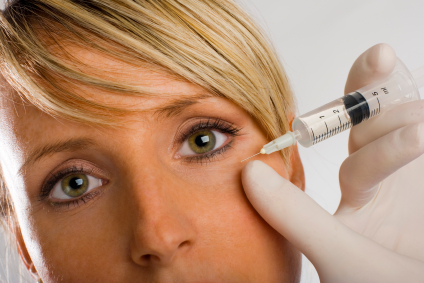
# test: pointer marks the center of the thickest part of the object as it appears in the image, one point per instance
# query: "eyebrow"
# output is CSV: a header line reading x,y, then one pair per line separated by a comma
x,y
60,146
177,106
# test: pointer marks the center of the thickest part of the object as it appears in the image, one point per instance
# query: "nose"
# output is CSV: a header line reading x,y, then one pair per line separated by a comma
x,y
162,230
159,239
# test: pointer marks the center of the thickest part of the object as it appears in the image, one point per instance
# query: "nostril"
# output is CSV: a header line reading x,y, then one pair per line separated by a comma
x,y
149,258
185,243
163,255
146,258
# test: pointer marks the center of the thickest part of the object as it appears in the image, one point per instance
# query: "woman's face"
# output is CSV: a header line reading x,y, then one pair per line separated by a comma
x,y
158,200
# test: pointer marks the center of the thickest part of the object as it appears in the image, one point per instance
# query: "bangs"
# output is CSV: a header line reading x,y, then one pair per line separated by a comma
x,y
212,44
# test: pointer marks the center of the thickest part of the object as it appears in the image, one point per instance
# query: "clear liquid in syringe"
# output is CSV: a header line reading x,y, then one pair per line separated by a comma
x,y
352,109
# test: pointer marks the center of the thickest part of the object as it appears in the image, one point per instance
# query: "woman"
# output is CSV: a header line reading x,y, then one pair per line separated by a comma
x,y
123,127
134,116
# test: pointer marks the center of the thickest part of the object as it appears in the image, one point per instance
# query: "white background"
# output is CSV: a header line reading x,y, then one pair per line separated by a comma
x,y
318,40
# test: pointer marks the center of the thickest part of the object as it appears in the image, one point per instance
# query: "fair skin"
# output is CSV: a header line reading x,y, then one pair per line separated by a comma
x,y
157,214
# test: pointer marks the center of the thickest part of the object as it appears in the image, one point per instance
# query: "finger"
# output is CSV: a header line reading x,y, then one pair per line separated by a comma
x,y
338,253
285,207
374,64
363,170
388,121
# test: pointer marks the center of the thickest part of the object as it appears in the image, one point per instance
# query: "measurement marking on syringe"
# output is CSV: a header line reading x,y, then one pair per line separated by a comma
x,y
330,129
378,105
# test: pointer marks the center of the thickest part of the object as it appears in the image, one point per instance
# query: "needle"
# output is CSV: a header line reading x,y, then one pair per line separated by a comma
x,y
250,157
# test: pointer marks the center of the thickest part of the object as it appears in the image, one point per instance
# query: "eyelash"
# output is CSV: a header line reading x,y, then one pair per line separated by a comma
x,y
217,124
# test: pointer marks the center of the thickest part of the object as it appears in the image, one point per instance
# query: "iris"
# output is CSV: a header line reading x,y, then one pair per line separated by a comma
x,y
75,185
202,141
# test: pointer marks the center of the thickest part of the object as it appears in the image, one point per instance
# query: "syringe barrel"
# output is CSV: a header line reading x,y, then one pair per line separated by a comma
x,y
352,109
322,123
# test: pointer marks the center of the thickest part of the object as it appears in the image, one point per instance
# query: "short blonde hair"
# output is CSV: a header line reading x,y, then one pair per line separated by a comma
x,y
210,43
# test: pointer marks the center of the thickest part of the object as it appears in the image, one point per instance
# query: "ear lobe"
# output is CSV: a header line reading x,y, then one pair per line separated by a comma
x,y
297,176
22,249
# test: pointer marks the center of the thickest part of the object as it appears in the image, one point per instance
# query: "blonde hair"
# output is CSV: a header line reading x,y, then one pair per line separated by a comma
x,y
210,43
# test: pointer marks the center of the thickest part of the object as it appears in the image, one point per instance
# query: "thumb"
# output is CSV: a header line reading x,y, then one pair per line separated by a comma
x,y
374,64
288,210
338,253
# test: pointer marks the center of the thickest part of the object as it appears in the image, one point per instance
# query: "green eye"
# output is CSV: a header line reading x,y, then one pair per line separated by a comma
x,y
202,141
75,185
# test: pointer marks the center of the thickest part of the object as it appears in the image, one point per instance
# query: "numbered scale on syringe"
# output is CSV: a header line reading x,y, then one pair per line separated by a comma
x,y
326,121
353,108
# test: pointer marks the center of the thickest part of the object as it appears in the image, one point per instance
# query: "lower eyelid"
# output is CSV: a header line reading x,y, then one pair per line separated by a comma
x,y
91,196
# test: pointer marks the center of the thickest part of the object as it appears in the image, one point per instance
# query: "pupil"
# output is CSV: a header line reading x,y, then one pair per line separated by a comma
x,y
76,183
201,140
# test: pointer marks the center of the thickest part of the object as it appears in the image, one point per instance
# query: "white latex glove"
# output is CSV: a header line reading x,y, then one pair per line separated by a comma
x,y
377,233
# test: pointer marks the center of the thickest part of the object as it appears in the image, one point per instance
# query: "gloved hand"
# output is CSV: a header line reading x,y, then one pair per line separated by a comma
x,y
377,233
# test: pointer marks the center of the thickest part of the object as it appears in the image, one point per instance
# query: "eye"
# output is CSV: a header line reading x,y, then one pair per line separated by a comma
x,y
74,186
202,142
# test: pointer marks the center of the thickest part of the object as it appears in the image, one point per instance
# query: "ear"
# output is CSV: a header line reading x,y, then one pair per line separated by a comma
x,y
22,249
297,176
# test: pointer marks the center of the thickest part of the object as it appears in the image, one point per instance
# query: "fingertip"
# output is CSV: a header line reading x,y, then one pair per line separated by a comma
x,y
380,59
372,65
248,174
255,170
249,169
250,165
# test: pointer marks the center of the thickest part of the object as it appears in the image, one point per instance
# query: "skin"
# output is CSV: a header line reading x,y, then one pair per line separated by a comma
x,y
157,217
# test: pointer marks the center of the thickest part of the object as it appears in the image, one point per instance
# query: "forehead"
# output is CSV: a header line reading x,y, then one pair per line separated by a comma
x,y
148,76
24,124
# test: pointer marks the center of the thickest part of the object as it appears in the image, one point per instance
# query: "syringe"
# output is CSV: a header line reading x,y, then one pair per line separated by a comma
x,y
341,114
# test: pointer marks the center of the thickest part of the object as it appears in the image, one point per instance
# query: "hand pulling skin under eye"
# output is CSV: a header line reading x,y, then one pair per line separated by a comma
x,y
399,87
